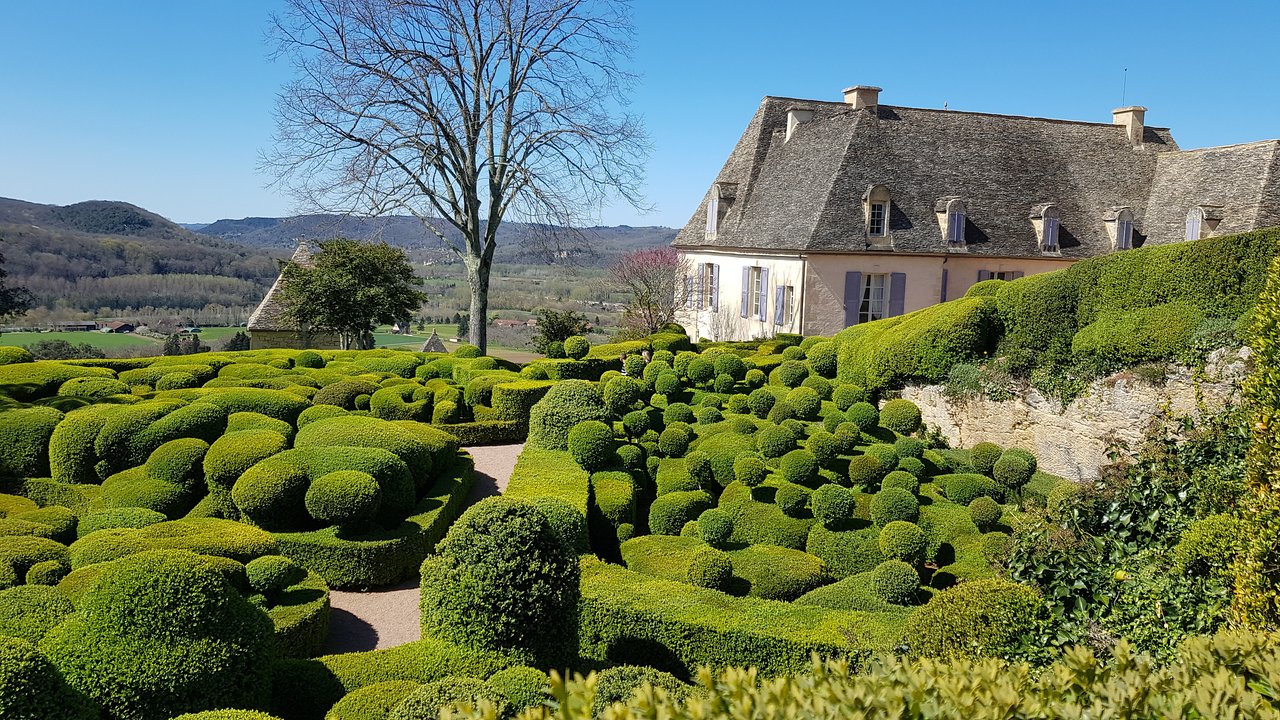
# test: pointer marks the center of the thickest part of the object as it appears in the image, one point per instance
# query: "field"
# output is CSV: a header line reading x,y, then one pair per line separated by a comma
x,y
106,341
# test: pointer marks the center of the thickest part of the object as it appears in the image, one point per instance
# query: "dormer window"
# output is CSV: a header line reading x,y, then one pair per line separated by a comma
x,y
875,209
718,202
713,214
1202,221
1046,219
952,217
1119,224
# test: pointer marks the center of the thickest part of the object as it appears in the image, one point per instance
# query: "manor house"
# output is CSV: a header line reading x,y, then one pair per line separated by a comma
x,y
829,214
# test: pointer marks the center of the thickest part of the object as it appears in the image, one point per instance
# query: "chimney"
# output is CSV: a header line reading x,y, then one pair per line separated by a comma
x,y
862,96
796,116
1131,119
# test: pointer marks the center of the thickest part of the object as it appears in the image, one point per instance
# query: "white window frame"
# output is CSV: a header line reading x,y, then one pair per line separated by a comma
x,y
756,278
1051,225
878,219
788,305
873,303
1195,223
713,212
1124,232
710,286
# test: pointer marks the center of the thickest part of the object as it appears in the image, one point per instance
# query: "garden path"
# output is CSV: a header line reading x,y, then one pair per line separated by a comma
x,y
388,616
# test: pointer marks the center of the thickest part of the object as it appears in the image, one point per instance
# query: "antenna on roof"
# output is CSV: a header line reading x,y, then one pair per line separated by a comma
x,y
944,104
1124,87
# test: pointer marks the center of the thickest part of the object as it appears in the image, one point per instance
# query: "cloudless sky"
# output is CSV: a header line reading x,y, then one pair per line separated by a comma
x,y
167,105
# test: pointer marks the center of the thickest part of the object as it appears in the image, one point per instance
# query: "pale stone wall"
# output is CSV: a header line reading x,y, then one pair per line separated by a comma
x,y
280,339
1072,441
727,323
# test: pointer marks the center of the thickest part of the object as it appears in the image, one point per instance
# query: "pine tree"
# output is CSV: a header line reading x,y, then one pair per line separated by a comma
x,y
172,346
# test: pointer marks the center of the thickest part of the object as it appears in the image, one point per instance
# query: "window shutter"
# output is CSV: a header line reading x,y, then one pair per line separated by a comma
x,y
779,304
1017,274
715,288
852,297
897,294
942,297
984,275
746,291
702,279
764,294
688,294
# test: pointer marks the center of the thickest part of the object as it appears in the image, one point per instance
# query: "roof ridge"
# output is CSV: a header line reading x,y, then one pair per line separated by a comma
x,y
960,112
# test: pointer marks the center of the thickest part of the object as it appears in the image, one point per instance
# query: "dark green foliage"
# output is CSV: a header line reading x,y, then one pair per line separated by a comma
x,y
631,456
804,403
731,365
669,513
430,700
709,416
865,471
343,393
761,402
619,684
372,701
799,466
846,396
902,540
864,415
710,568
824,446
900,416
32,689
790,373
1145,334
677,413
566,404
822,386
349,498
792,498
576,347
271,574
522,686
984,456
504,580
410,401
908,447
47,572
832,504
964,488
822,358
980,617
773,441
568,524
750,470
698,465
592,445
30,611
308,359
24,439
93,388
901,479
913,466
845,552
777,573
894,504
128,517
700,370
162,633
674,441
714,527
896,582
667,383
1012,471
636,423
621,393
985,512
885,453
755,378
793,352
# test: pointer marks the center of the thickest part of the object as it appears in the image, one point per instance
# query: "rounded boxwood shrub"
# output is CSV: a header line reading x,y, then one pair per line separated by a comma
x,y
750,470
566,404
674,441
831,504
761,402
894,504
466,351
271,574
865,471
10,354
555,350
791,499
677,413
162,633
908,447
723,384
793,352
822,358
799,466
780,413
824,446
618,684
731,365
567,522
1025,455
709,416
634,366
631,456
714,527
93,388
504,580
669,513
47,572
1012,471
591,443
710,568
846,395
985,512
308,359
700,371
372,701
636,423
698,465
915,466
682,360
349,498
848,436
896,582
522,686
738,404
773,441
990,616
125,517
864,415
964,488
789,374
901,540
177,381
804,403
29,611
885,453
900,416
343,393
32,689
995,545
901,479
755,378
431,699
742,425
983,457
621,393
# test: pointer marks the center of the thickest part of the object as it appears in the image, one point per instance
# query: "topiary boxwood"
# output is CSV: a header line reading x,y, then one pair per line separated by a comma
x,y
791,373
804,403
985,512
773,441
522,686
271,574
566,404
846,395
900,416
885,453
591,443
799,466
669,513
714,527
864,415
865,471
576,347
710,568
984,456
761,402
755,378
908,447
31,688
896,582
832,504
700,371
1012,471
824,446
912,465
964,488
750,470
901,540
431,700
894,504
901,479
674,441
792,499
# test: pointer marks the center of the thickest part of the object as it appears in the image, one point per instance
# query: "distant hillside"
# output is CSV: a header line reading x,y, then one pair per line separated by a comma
x,y
517,242
98,254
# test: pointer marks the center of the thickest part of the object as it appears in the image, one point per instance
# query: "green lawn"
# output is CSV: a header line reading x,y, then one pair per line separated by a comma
x,y
106,341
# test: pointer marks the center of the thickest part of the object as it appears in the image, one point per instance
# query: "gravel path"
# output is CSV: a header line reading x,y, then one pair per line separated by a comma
x,y
388,616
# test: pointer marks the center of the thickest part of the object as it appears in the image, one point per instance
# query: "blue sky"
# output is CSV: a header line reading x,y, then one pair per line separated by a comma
x,y
168,104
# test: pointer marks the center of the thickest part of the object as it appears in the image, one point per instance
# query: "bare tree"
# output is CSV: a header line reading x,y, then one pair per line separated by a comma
x,y
657,279
462,113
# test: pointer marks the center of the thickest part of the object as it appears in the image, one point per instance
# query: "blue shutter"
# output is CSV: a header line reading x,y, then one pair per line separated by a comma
x,y
897,294
779,304
764,294
984,275
852,297
942,297
702,300
746,291
715,288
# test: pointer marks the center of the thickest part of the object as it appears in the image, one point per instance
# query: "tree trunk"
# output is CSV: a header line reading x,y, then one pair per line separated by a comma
x,y
478,279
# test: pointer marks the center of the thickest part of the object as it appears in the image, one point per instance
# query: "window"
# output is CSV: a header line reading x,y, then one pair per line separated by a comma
x,y
755,288
876,223
709,287
955,227
713,211
784,305
1006,275
1194,226
951,221
1124,230
874,298
1050,234
757,292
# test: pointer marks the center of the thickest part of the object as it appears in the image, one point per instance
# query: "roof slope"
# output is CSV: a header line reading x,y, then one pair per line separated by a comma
x,y
270,313
1232,179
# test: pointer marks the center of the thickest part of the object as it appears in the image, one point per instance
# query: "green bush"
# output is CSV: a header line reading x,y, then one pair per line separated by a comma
x,y
631,456
677,413
773,441
127,517
901,540
674,441
667,383
232,455
621,393
896,582
669,513
709,416
1210,545
824,446
343,393
522,686
792,499
372,701
348,498
984,456
162,633
91,388
58,520
27,381
832,504
910,447
1138,335
979,617
900,416
985,512
1012,471
731,365
750,470
11,354
24,440
431,700
714,527
591,443
711,569
576,347
822,358
791,373
912,466
404,402
761,402
964,488
566,404
32,689
845,552
799,466
700,371
420,446
636,423
865,471
619,684
31,611
47,572
820,385
885,453
864,415
755,378
514,399
901,479
177,381
894,504
804,402
846,396
567,522
308,359
271,574
504,580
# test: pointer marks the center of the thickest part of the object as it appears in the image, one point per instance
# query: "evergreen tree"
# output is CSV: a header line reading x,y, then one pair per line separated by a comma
x,y
238,342
172,346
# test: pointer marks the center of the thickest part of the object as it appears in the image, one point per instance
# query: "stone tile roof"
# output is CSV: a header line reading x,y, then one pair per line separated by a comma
x,y
270,313
805,194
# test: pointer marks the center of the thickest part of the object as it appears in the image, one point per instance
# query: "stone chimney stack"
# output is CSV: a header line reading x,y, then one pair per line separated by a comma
x,y
1130,118
862,96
